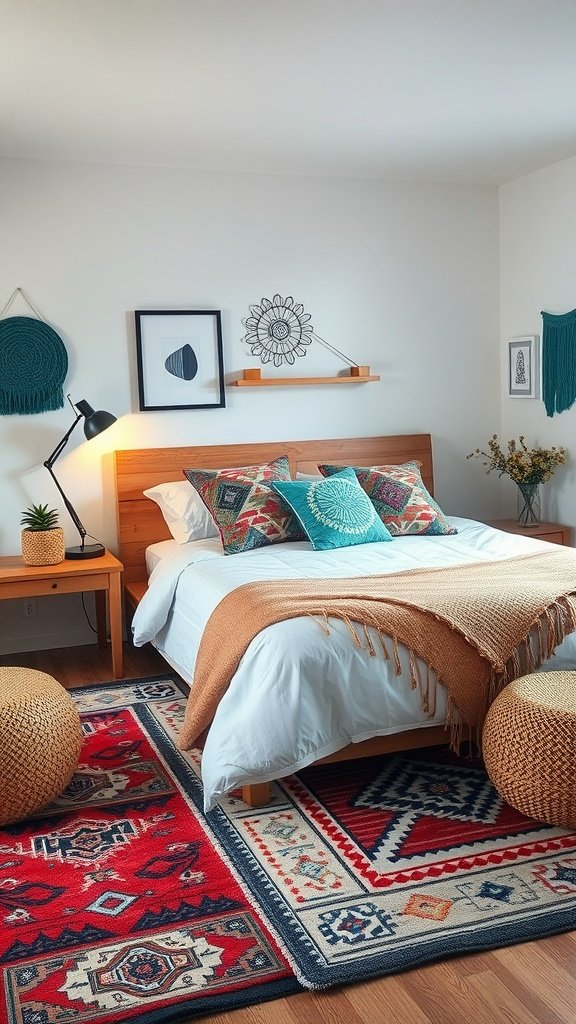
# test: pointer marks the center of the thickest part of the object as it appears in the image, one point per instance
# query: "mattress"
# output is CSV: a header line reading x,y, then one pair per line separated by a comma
x,y
156,552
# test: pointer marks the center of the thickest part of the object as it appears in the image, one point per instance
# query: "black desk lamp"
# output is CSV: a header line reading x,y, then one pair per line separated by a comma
x,y
94,423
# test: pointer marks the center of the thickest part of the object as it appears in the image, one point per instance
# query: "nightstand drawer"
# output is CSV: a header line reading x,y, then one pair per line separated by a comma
x,y
62,585
553,538
554,533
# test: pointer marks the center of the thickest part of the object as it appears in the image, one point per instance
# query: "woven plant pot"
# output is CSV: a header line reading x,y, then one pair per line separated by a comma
x,y
43,547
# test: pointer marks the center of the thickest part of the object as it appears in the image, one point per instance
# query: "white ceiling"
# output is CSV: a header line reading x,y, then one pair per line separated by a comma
x,y
444,90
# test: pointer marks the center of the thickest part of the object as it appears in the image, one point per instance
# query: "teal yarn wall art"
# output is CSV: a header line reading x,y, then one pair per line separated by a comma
x,y
558,361
33,363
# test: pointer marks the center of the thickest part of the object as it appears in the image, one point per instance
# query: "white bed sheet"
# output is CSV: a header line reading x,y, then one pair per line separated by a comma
x,y
156,552
281,711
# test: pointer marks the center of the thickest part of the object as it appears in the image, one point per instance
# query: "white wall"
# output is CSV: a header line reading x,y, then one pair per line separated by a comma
x,y
538,258
402,276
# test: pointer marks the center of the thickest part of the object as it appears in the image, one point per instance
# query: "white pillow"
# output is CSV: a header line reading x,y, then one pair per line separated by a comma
x,y
309,476
185,514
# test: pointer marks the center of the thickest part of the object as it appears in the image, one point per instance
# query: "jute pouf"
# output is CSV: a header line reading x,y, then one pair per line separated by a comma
x,y
40,740
529,746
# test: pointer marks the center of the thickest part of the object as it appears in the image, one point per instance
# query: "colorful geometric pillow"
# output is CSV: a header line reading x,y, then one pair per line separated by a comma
x,y
247,512
335,513
400,499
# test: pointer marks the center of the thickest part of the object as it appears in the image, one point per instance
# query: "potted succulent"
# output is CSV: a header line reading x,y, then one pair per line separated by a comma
x,y
42,538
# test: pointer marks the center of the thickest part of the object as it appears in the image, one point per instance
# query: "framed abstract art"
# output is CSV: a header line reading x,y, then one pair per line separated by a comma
x,y
180,364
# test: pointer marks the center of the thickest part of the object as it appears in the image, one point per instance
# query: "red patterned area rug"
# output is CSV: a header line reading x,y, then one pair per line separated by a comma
x,y
118,902
122,900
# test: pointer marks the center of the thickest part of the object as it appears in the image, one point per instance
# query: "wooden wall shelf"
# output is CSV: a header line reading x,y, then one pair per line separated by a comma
x,y
253,379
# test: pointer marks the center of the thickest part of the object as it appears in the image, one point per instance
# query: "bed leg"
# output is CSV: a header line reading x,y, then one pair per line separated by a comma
x,y
256,795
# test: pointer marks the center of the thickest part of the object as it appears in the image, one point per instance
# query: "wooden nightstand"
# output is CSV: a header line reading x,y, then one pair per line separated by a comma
x,y
102,575
553,532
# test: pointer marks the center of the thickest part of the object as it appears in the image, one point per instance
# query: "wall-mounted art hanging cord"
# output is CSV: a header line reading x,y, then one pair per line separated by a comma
x,y
20,291
331,348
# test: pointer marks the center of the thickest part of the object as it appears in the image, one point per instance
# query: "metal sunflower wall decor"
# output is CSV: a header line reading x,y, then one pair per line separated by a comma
x,y
278,330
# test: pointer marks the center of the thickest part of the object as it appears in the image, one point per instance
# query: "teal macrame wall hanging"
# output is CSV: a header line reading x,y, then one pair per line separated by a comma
x,y
558,361
33,363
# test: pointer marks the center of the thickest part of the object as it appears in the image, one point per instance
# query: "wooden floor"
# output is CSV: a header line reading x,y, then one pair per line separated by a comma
x,y
534,983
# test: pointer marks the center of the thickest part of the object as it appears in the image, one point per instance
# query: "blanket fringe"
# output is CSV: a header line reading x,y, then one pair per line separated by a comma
x,y
552,625
453,722
369,644
413,668
430,692
550,630
397,664
383,645
323,623
425,692
529,653
353,631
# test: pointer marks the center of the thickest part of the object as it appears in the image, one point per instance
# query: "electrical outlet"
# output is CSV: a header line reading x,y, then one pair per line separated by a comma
x,y
30,607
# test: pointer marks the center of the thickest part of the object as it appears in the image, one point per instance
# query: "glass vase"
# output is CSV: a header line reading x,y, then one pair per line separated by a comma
x,y
528,505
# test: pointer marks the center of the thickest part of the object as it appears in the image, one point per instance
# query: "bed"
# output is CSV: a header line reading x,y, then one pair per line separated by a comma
x,y
190,579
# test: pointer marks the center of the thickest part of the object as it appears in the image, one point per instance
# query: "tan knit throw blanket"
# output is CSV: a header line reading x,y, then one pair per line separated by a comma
x,y
476,626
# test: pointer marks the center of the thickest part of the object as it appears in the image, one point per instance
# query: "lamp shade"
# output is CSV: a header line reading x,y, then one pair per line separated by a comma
x,y
94,421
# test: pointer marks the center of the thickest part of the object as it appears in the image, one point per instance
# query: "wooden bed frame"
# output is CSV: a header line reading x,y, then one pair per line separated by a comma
x,y
140,523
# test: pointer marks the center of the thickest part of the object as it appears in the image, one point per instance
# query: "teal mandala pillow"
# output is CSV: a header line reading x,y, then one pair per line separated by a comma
x,y
334,512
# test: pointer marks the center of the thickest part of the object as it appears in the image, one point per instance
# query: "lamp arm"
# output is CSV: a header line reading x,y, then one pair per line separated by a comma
x,y
61,445
71,510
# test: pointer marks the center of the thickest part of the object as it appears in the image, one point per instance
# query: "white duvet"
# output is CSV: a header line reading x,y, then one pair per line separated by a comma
x,y
299,695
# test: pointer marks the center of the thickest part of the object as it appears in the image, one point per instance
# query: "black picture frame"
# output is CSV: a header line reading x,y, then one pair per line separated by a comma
x,y
180,361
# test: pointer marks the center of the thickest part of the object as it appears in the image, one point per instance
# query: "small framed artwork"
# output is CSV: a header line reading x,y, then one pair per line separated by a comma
x,y
523,367
180,363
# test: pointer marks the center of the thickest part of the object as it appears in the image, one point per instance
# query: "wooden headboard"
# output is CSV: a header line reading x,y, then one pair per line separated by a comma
x,y
140,521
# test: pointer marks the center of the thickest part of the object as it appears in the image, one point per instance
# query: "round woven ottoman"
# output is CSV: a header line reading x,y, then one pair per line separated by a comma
x,y
529,746
40,740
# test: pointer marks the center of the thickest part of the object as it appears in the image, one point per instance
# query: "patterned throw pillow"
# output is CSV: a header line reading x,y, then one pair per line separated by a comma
x,y
247,512
400,499
335,513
